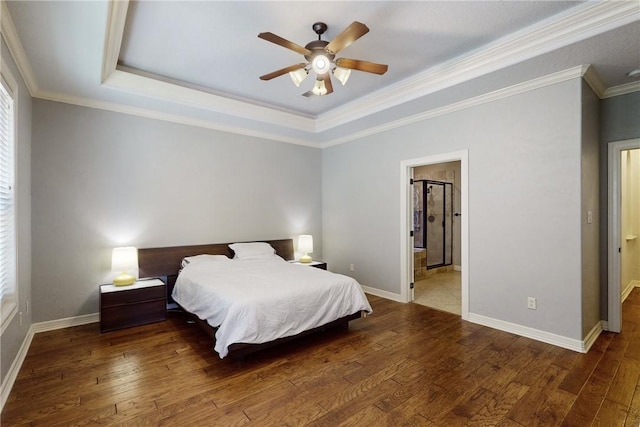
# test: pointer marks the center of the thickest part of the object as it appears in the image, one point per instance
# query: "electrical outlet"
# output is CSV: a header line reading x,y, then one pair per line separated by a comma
x,y
531,303
352,267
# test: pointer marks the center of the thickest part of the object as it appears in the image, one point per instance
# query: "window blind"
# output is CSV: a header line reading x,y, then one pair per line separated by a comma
x,y
7,202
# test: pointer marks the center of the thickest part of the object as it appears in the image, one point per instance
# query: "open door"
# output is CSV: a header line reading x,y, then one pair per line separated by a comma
x,y
616,240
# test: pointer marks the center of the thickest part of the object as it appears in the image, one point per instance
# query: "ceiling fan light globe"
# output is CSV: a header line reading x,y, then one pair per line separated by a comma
x,y
342,74
319,88
298,76
320,64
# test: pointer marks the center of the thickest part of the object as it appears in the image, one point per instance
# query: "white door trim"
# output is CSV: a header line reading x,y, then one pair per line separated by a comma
x,y
406,244
614,304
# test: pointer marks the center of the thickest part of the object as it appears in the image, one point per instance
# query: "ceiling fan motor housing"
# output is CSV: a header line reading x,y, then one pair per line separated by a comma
x,y
320,59
317,48
319,28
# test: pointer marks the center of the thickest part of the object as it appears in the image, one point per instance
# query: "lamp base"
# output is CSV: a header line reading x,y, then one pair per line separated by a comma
x,y
305,259
124,279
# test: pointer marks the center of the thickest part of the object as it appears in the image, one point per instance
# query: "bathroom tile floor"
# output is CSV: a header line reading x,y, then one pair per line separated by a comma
x,y
440,291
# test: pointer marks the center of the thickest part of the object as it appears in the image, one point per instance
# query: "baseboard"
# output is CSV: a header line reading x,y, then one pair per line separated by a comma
x,y
383,294
13,371
592,336
627,290
67,322
457,268
581,346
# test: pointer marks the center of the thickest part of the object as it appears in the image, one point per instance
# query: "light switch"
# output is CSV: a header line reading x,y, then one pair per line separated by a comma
x,y
589,217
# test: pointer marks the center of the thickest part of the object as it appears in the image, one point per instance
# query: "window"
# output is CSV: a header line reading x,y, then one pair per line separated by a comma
x,y
8,288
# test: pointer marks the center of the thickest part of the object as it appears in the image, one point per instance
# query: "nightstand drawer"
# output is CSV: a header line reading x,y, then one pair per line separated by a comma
x,y
124,306
130,296
125,316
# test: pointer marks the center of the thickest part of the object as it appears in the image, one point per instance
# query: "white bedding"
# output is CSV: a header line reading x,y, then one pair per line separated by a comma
x,y
259,300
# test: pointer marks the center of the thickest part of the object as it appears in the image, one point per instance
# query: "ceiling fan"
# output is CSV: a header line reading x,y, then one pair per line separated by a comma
x,y
320,55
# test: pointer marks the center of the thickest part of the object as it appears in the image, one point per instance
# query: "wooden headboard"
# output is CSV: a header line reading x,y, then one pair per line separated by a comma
x,y
165,262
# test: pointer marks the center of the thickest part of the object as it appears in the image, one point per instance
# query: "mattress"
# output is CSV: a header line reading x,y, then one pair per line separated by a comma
x,y
255,301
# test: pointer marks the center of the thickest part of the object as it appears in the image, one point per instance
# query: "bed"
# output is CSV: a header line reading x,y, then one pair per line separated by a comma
x,y
248,297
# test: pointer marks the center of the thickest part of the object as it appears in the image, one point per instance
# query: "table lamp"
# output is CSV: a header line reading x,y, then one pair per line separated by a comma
x,y
305,245
124,260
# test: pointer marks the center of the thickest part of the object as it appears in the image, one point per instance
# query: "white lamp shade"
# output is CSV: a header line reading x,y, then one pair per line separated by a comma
x,y
319,88
124,260
305,243
298,75
342,74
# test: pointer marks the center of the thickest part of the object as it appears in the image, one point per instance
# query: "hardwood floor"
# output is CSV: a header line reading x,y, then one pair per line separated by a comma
x,y
404,365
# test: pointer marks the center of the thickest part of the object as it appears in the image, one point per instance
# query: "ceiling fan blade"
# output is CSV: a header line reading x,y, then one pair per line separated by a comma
x,y
270,37
366,66
327,84
282,71
350,34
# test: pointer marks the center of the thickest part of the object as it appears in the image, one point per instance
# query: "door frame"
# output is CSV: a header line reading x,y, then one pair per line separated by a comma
x,y
614,292
406,214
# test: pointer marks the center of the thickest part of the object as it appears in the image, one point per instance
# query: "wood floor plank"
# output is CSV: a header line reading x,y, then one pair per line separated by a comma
x,y
536,395
554,409
496,410
625,382
588,402
404,365
610,414
633,417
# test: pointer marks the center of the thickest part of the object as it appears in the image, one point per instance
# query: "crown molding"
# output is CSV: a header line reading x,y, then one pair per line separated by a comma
x,y
10,36
168,91
562,76
595,82
168,117
621,90
116,20
548,35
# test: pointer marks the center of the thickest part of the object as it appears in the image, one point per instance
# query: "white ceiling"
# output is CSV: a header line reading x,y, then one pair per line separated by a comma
x,y
198,62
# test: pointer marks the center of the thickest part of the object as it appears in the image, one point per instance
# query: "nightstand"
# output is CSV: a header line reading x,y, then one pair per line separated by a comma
x,y
125,306
317,264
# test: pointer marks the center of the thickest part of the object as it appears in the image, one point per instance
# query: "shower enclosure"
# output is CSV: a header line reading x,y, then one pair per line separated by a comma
x,y
433,221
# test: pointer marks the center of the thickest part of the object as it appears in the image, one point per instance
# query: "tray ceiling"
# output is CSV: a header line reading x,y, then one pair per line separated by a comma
x,y
198,62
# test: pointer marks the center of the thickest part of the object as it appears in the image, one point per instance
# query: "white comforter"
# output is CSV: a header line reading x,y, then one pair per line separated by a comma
x,y
257,301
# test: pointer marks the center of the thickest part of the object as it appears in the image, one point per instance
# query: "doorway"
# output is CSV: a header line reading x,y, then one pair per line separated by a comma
x,y
623,226
407,257
436,236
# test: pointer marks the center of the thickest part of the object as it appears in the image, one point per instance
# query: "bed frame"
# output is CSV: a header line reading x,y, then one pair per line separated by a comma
x,y
165,264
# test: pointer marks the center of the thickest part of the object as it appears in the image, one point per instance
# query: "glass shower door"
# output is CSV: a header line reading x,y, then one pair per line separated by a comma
x,y
418,215
438,221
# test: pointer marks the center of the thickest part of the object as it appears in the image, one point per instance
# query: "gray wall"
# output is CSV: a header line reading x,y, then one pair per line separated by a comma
x,y
590,202
14,335
619,121
524,204
620,118
103,179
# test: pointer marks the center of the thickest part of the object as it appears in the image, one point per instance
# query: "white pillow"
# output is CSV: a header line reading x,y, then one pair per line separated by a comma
x,y
253,250
200,258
